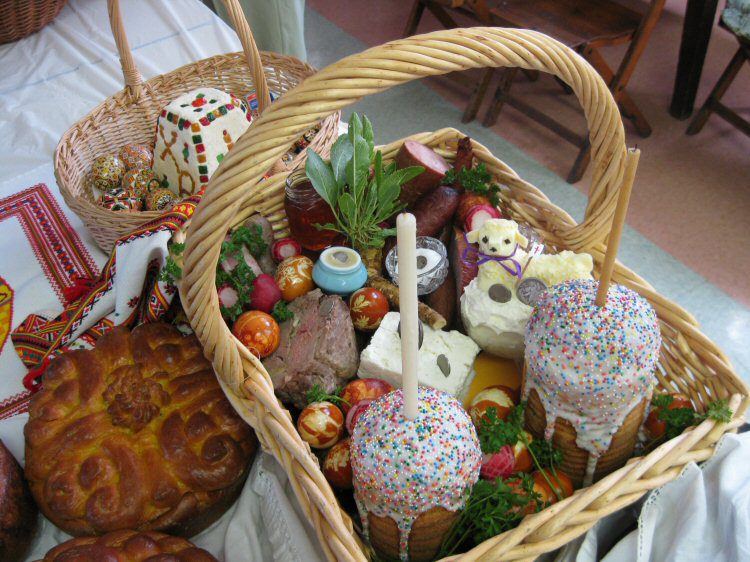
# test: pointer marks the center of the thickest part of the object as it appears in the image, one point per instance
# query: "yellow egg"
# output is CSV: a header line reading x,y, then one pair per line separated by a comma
x,y
492,370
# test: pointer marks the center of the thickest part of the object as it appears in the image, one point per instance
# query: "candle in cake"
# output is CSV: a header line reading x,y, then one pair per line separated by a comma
x,y
406,231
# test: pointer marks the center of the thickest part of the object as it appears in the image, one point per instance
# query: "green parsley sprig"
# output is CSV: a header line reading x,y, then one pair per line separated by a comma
x,y
476,180
318,394
281,312
679,419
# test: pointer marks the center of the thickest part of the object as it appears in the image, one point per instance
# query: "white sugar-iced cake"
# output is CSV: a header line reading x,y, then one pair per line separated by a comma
x,y
453,374
193,134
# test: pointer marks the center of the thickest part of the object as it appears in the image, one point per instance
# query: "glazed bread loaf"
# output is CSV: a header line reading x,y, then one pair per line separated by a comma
x,y
135,434
128,546
17,509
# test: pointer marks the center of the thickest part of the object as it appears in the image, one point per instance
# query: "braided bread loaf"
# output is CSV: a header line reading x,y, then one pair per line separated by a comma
x,y
128,546
135,434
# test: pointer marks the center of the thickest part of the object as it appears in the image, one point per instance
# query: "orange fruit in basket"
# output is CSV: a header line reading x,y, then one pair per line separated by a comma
x,y
258,332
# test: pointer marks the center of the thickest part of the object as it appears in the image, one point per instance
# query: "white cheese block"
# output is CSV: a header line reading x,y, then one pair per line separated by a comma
x,y
382,358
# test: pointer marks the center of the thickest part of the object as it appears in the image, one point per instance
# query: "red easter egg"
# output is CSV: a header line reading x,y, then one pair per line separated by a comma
x,y
361,389
368,306
337,466
258,332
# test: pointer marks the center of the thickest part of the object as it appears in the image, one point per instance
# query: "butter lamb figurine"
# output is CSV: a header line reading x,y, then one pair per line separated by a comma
x,y
493,315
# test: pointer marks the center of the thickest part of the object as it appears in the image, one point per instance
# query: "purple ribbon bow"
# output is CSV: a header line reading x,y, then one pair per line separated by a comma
x,y
516,271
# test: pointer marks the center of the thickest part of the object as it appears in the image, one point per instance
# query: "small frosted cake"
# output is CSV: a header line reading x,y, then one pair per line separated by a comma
x,y
412,478
590,374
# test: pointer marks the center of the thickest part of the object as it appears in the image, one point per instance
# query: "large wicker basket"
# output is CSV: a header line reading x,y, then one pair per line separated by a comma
x,y
689,362
130,116
20,18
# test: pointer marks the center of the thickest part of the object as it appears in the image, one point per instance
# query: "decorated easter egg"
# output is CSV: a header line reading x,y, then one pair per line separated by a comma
x,y
499,397
294,277
337,466
363,389
258,332
119,199
321,424
136,155
106,172
367,307
140,181
160,200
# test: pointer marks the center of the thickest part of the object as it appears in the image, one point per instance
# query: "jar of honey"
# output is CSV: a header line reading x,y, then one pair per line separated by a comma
x,y
304,209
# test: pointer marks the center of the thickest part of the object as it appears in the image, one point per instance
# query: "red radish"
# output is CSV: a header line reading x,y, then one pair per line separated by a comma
x,y
498,465
480,214
230,263
355,413
266,293
285,248
228,296
466,203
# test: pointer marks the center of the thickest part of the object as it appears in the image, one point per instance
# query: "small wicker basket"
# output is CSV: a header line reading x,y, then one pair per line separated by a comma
x,y
130,116
20,18
689,362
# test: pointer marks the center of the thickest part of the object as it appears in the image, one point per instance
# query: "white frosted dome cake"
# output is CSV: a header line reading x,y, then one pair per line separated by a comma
x,y
591,366
404,468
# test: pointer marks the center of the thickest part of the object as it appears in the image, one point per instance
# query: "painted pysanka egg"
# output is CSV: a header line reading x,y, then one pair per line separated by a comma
x,y
160,200
321,424
136,155
106,172
368,306
141,182
119,199
294,277
259,332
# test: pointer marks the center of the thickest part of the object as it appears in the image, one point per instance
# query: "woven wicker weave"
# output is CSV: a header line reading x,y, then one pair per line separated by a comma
x,y
131,114
689,362
19,18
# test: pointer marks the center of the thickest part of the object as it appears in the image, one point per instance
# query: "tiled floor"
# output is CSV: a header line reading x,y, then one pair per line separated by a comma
x,y
688,223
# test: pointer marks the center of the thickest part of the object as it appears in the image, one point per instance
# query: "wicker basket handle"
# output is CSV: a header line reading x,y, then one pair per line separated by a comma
x,y
134,80
234,184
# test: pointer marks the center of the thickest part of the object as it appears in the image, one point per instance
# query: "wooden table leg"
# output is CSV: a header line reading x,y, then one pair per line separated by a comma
x,y
699,21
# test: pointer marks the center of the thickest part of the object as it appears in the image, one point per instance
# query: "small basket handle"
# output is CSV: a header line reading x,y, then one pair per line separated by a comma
x,y
134,80
235,185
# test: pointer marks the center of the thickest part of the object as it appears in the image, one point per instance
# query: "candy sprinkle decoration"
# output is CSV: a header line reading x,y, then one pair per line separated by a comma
x,y
404,468
601,359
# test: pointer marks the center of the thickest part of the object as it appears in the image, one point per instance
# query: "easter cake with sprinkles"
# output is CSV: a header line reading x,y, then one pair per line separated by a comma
x,y
590,374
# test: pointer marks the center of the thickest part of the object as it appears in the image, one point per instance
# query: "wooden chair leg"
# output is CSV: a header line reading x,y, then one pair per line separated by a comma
x,y
477,96
717,93
417,10
501,92
581,163
627,105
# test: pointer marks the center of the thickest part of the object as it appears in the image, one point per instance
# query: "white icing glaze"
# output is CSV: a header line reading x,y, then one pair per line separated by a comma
x,y
404,468
588,365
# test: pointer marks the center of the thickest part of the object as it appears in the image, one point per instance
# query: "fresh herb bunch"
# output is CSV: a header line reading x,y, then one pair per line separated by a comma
x,y
318,394
362,192
171,272
494,433
476,180
281,312
241,277
679,419
492,508
544,454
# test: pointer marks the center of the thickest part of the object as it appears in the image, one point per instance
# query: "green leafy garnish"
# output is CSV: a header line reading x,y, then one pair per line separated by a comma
x,y
545,454
476,180
318,394
494,433
172,272
492,508
362,192
281,312
679,419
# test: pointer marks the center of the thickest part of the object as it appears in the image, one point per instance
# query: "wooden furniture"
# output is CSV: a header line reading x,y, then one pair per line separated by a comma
x,y
696,31
713,103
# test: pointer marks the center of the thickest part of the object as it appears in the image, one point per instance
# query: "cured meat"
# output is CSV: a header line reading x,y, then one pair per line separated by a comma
x,y
413,153
434,210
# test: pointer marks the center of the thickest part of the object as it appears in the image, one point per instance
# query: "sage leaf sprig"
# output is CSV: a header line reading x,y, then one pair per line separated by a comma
x,y
361,191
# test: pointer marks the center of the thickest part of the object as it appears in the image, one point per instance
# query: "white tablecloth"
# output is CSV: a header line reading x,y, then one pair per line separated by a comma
x,y
47,82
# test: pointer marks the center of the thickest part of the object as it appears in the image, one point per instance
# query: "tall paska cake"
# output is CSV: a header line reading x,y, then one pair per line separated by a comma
x,y
590,373
135,434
